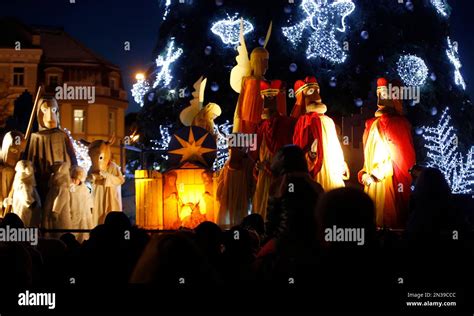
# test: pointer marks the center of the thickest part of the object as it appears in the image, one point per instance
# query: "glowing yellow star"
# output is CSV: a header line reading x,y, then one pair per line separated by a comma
x,y
192,149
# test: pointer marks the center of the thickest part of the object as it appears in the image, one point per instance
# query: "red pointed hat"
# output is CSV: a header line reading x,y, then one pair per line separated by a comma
x,y
300,85
271,88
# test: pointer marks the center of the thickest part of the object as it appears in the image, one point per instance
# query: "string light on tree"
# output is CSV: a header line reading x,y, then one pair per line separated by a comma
x,y
164,75
412,70
163,143
140,88
229,29
443,154
222,131
82,152
442,7
167,9
322,20
453,56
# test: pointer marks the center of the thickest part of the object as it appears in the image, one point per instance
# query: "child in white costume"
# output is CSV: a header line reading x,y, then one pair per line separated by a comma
x,y
81,202
26,202
57,208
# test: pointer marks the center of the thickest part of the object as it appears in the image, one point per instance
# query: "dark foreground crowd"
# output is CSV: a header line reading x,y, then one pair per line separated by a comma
x,y
286,254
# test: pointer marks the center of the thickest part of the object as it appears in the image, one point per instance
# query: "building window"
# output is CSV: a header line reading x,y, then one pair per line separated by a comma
x,y
113,84
18,76
112,122
79,122
53,81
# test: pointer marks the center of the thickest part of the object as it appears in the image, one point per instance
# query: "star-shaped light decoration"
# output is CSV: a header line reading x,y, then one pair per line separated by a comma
x,y
323,19
229,29
192,150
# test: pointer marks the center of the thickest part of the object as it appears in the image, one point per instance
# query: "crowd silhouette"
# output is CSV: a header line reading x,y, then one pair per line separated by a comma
x,y
287,249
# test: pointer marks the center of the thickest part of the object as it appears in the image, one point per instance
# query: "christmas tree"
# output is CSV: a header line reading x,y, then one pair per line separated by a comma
x,y
346,44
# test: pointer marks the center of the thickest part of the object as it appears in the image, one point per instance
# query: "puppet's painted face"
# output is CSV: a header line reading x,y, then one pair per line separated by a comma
x,y
312,99
49,112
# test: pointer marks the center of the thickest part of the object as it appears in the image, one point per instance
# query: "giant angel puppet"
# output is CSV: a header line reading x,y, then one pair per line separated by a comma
x,y
388,156
245,79
316,134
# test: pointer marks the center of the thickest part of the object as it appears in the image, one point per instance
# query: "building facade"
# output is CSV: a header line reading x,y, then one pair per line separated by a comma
x,y
89,89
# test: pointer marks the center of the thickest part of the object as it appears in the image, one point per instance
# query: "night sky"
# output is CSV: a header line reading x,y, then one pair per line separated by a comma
x,y
105,25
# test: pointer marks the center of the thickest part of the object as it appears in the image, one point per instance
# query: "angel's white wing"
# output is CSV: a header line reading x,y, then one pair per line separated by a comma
x,y
242,69
188,113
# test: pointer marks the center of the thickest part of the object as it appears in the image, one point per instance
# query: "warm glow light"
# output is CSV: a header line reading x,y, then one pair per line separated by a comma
x,y
140,76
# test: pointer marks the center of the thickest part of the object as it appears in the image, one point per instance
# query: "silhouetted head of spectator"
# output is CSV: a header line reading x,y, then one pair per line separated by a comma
x,y
254,222
70,241
117,220
12,220
16,265
173,260
288,159
351,210
239,246
209,238
430,184
431,206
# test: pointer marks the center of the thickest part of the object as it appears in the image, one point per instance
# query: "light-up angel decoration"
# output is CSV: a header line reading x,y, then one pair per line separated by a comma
x,y
197,115
324,18
245,79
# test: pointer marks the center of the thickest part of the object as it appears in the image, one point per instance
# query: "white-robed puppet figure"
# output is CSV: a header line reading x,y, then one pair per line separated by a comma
x,y
49,145
12,146
57,207
26,202
81,202
388,156
316,134
106,179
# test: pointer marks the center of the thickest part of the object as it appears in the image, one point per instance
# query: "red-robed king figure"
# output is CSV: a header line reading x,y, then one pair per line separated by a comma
x,y
316,134
273,132
388,156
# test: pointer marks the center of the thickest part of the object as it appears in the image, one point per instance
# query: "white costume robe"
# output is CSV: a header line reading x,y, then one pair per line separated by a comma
x,y
24,198
58,203
81,209
107,193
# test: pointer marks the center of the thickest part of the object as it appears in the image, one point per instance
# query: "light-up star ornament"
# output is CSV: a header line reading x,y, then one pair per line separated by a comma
x,y
164,76
229,29
453,56
323,19
412,70
192,149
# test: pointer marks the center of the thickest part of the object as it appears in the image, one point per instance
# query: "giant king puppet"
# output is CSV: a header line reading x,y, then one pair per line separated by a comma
x,y
316,134
273,132
388,156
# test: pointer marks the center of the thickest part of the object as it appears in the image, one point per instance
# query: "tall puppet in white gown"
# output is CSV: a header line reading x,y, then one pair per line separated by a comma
x,y
316,134
106,179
